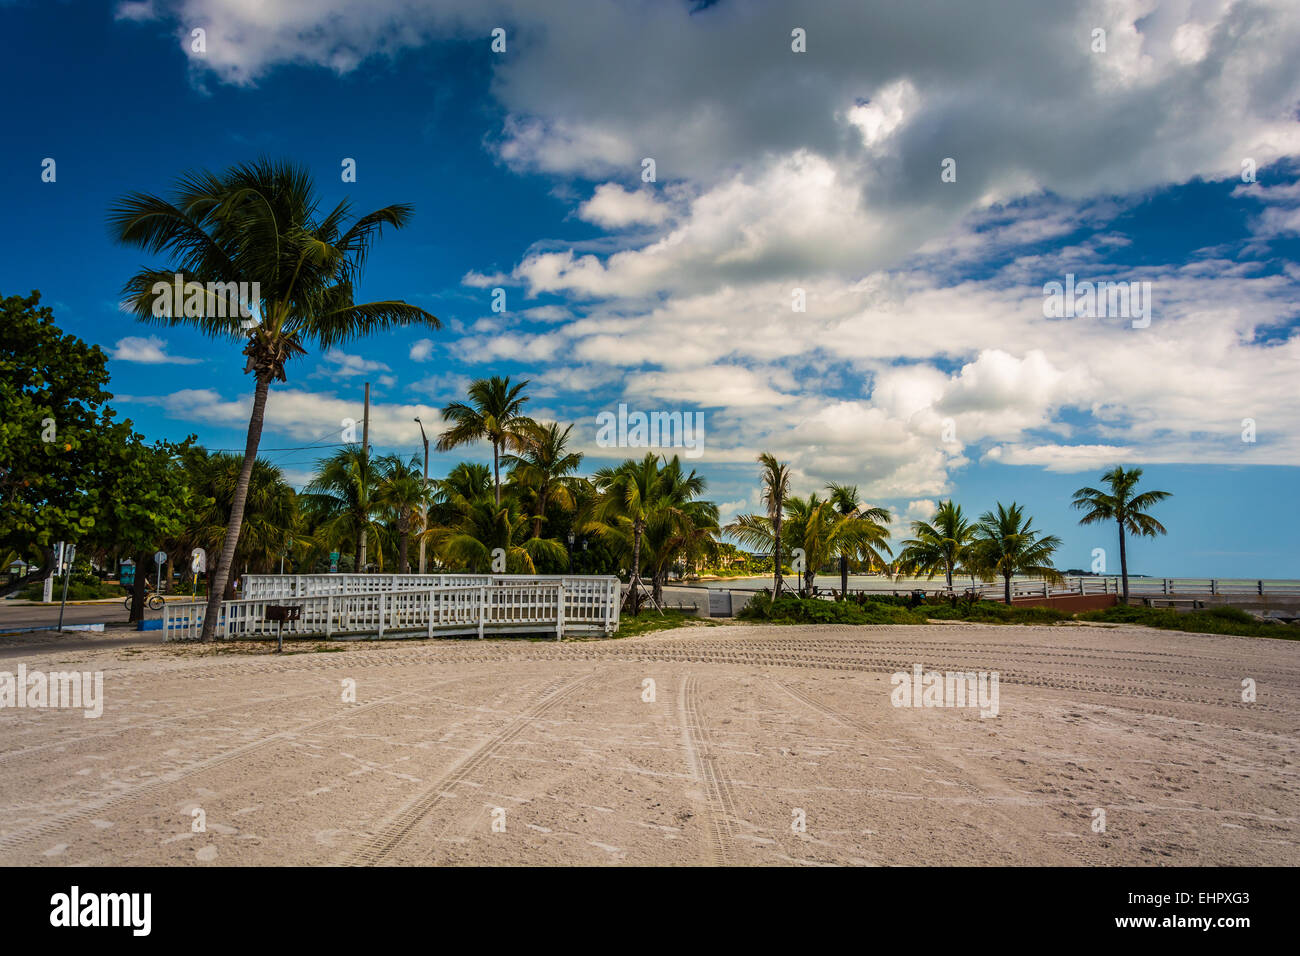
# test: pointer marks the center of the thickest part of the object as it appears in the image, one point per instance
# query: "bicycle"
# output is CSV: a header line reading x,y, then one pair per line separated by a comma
x,y
153,600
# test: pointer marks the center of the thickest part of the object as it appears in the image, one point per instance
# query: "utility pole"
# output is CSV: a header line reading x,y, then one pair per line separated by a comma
x,y
424,504
365,458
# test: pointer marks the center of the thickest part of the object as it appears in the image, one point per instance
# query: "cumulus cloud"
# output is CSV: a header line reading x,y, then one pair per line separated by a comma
x,y
147,350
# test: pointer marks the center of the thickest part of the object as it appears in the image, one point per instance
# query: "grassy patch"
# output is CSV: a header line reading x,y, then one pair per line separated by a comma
x,y
650,620
1218,620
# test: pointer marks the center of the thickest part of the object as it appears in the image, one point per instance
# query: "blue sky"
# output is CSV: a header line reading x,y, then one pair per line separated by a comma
x,y
923,365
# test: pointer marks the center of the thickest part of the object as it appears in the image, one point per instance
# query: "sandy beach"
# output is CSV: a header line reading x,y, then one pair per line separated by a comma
x,y
761,745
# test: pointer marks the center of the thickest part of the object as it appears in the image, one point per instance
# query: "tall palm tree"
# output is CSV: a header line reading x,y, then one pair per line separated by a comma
x,y
940,544
844,499
775,478
680,524
1123,507
258,223
1007,544
632,495
494,412
341,499
543,470
400,493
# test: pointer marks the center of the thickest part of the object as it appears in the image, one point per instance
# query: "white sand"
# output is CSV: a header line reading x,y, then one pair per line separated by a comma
x,y
749,725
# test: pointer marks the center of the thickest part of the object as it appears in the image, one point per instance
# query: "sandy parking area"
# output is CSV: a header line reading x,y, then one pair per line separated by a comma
x,y
752,728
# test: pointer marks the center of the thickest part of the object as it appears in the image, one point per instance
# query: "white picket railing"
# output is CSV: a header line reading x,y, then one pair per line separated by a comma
x,y
584,605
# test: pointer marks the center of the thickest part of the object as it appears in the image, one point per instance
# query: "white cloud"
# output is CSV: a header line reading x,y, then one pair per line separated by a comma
x,y
614,207
147,350
421,350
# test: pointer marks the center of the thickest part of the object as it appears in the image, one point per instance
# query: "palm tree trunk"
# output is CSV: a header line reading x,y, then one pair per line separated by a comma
x,y
137,591
1006,587
403,542
636,564
776,551
1123,563
947,569
844,577
227,561
496,471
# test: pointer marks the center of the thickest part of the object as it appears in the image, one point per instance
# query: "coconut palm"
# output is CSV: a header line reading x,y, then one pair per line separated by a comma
x,y
632,495
258,223
341,499
1006,544
939,544
481,527
775,479
864,522
400,494
494,412
1123,507
543,470
679,525
273,512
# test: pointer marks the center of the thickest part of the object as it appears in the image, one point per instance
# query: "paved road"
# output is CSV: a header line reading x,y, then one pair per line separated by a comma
x,y
14,615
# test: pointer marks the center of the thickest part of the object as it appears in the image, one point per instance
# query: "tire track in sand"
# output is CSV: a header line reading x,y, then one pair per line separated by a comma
x,y
393,832
719,805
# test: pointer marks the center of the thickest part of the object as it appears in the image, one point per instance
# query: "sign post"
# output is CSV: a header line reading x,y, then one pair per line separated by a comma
x,y
198,562
159,558
67,554
334,562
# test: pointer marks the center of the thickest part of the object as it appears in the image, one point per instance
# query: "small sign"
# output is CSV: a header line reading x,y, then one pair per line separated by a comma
x,y
198,560
159,557
69,555
334,562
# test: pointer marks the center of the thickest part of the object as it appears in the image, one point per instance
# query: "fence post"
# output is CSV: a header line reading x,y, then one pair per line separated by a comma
x,y
559,612
329,616
482,610
429,608
382,595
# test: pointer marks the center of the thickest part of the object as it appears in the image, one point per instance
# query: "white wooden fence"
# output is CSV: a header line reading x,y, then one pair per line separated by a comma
x,y
500,605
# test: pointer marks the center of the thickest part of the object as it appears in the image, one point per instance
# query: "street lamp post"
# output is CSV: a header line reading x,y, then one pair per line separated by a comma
x,y
424,504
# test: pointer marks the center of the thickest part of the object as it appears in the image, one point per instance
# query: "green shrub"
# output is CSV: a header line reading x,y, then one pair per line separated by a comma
x,y
1218,620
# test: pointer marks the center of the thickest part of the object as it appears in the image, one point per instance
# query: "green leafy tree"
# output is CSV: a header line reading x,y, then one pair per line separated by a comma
x,y
53,422
257,223
340,500
1121,505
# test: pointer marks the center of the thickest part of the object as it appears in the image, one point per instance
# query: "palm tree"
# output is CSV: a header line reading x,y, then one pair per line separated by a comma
x,y
679,526
480,527
1123,507
940,544
775,478
1006,544
494,412
258,223
341,498
273,511
629,497
400,494
543,470
867,523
